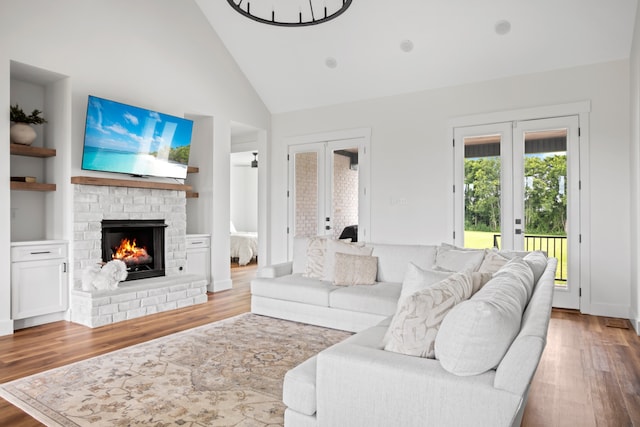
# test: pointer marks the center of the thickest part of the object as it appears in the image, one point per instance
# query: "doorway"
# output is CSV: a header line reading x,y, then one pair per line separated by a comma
x,y
520,185
328,190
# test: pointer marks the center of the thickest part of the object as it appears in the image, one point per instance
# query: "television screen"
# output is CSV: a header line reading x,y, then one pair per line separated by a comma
x,y
126,139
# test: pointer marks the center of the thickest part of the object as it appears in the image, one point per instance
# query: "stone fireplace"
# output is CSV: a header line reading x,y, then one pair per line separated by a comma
x,y
160,216
139,243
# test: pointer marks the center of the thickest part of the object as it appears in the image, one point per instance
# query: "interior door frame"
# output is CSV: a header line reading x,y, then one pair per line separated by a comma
x,y
304,143
581,109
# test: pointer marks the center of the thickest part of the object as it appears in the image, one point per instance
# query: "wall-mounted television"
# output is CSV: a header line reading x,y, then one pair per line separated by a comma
x,y
122,138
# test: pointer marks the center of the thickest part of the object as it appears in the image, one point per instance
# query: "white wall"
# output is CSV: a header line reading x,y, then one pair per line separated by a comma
x,y
411,158
244,197
159,54
635,175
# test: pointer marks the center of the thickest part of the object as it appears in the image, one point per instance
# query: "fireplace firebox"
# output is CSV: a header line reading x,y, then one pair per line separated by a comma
x,y
139,243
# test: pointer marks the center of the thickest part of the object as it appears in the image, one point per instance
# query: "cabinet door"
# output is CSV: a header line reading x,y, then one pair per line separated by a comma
x,y
198,262
38,287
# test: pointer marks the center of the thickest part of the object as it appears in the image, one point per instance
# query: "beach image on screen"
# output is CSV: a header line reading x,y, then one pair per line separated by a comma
x,y
127,139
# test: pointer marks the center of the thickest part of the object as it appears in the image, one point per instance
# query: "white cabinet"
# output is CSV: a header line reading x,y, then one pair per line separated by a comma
x,y
199,255
38,278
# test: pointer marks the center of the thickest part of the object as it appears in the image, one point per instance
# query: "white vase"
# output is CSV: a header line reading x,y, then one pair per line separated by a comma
x,y
22,133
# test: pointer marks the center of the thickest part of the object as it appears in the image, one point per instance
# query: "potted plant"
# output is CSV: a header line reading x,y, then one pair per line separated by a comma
x,y
21,130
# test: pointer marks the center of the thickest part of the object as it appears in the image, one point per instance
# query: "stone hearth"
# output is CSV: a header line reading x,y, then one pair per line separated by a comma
x,y
95,203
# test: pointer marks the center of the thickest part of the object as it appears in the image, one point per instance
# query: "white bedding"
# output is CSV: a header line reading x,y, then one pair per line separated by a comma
x,y
244,246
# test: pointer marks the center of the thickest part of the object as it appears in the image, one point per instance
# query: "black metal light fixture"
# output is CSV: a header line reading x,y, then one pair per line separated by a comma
x,y
290,13
254,162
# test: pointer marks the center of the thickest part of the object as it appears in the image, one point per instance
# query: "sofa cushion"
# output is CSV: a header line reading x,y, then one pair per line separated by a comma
x,y
521,273
354,269
415,325
338,246
381,298
417,279
294,287
393,259
450,259
537,260
476,334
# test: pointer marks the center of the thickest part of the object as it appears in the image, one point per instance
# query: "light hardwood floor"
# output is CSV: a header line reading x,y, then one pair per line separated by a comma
x,y
589,374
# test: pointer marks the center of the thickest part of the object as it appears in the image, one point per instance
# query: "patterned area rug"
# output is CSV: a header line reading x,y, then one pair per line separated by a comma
x,y
227,373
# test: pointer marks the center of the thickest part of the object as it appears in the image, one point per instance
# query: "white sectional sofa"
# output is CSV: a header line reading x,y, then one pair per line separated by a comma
x,y
487,347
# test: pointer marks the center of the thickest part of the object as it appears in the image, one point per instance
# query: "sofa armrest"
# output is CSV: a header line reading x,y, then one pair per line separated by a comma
x,y
275,270
363,386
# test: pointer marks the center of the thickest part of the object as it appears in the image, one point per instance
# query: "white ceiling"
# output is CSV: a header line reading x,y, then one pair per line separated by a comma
x,y
454,43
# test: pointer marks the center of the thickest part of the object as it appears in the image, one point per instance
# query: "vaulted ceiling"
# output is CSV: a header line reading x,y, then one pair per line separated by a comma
x,y
454,42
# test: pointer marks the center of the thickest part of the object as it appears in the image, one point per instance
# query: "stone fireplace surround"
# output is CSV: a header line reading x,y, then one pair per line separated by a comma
x,y
92,204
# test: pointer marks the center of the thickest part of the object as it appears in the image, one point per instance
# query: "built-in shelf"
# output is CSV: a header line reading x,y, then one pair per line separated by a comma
x,y
29,151
32,186
89,180
193,169
192,195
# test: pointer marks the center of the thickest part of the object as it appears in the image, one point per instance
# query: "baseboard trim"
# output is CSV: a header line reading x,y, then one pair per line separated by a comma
x,y
6,327
635,321
610,310
220,285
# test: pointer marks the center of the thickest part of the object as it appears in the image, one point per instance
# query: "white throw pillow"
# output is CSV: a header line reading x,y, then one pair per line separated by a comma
x,y
476,334
417,279
335,246
414,327
492,262
354,269
450,259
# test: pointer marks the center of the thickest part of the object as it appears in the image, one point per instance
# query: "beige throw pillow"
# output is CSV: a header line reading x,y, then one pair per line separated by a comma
x,y
492,262
335,246
415,325
355,269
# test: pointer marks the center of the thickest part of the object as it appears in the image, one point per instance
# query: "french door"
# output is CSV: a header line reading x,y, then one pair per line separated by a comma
x,y
326,189
519,187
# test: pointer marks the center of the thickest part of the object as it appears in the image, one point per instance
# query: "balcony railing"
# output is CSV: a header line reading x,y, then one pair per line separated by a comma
x,y
554,246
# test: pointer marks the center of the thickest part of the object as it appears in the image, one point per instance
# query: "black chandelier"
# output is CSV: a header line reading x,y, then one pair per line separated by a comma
x,y
291,13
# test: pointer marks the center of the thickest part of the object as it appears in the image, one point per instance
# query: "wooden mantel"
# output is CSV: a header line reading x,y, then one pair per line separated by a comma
x,y
90,180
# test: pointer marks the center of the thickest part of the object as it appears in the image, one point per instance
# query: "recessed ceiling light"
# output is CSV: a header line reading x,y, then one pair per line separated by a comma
x,y
406,45
331,62
502,27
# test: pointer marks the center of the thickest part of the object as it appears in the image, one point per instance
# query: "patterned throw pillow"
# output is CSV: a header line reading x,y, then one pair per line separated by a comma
x,y
415,325
316,249
355,269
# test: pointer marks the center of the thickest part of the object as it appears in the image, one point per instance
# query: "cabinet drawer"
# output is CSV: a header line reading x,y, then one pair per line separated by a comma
x,y
199,242
38,252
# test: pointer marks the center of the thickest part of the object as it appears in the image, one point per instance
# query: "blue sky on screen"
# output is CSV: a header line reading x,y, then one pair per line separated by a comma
x,y
120,127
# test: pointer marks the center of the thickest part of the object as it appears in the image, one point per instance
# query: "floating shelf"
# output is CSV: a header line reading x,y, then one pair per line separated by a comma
x,y
88,180
192,195
27,150
193,169
32,186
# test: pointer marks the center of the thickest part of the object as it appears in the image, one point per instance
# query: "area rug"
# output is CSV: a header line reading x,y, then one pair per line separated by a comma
x,y
227,373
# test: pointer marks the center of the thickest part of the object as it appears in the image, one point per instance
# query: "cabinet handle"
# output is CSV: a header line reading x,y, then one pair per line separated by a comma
x,y
196,243
40,253
64,267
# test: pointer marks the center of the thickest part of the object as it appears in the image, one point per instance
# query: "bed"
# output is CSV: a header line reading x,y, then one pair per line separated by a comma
x,y
244,245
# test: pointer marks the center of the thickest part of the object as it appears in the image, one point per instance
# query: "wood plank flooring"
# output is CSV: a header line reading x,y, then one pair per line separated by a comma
x,y
589,374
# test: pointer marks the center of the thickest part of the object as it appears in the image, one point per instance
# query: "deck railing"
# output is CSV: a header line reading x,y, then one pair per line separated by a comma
x,y
555,246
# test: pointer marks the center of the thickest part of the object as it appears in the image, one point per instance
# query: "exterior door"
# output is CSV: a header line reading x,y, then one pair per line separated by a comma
x,y
519,189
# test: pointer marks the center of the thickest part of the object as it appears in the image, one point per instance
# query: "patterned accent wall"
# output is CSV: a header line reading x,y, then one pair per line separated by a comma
x,y
306,194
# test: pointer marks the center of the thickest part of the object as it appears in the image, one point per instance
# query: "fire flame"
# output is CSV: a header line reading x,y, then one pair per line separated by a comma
x,y
130,253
